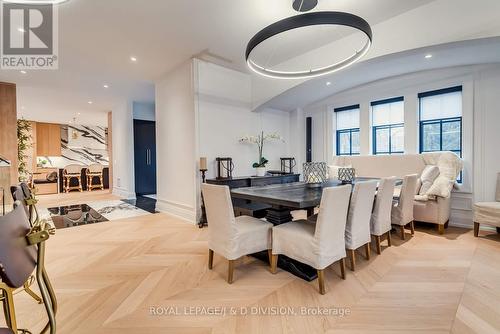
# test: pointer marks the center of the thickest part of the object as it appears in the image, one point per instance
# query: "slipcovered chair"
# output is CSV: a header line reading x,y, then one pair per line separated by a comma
x,y
402,211
230,236
22,250
94,171
70,172
381,216
357,232
318,245
488,213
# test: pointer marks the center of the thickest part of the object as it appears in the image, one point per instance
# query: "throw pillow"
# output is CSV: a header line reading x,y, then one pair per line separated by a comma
x,y
429,175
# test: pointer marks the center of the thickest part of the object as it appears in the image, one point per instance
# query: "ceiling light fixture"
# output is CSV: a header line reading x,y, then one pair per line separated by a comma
x,y
328,83
105,86
37,2
90,102
133,59
428,56
23,72
306,20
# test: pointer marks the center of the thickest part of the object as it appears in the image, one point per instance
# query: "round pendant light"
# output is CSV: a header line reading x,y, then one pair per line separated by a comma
x,y
306,20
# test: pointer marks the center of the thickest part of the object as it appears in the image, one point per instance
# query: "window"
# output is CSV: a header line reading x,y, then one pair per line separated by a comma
x,y
347,130
388,126
441,121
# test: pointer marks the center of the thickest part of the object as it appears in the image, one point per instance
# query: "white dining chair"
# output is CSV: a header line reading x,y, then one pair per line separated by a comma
x,y
230,236
402,211
488,213
381,216
357,233
318,245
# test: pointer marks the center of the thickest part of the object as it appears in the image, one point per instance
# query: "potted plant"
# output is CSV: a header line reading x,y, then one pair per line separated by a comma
x,y
23,146
260,165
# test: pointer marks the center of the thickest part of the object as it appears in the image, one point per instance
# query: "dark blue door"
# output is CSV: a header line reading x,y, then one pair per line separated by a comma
x,y
145,157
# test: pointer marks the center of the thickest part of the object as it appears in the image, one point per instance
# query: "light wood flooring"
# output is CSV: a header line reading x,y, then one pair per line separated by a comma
x,y
108,276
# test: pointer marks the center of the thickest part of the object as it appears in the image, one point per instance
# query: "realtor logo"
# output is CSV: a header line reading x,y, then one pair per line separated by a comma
x,y
28,36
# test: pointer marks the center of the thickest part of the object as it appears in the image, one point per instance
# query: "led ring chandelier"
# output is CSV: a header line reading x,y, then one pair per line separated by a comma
x,y
304,20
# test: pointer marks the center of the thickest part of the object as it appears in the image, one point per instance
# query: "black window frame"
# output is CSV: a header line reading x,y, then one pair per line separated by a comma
x,y
343,131
385,126
440,121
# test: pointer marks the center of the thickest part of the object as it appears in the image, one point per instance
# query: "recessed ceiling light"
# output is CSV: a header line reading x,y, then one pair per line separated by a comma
x,y
105,86
23,72
37,2
90,102
134,59
328,83
79,113
428,56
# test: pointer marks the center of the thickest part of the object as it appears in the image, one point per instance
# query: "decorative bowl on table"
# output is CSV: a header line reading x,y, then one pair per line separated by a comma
x,y
346,175
315,173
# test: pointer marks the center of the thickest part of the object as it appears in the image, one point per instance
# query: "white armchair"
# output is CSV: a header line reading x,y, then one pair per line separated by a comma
x,y
488,213
318,245
381,215
229,236
357,231
402,211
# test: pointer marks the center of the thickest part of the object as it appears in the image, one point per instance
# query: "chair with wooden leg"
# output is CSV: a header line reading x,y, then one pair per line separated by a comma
x,y
488,213
22,251
95,171
72,172
318,245
357,232
229,236
381,216
402,211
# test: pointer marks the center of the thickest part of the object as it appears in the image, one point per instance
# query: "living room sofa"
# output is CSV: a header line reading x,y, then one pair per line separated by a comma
x,y
433,208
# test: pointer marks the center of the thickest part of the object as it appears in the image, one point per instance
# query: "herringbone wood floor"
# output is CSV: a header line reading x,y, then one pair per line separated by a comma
x,y
108,276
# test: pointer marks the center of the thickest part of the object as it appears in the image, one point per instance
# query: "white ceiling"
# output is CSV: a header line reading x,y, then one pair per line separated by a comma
x,y
97,38
313,92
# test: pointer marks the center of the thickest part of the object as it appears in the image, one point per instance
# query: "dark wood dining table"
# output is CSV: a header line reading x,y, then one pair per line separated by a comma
x,y
285,198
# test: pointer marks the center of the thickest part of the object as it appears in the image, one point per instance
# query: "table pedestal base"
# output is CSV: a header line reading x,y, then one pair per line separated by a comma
x,y
299,269
277,216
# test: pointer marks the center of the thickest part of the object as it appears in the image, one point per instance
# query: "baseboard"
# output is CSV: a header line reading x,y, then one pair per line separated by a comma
x,y
123,193
179,210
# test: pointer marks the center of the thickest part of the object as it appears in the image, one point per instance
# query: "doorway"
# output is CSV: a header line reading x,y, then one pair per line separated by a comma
x,y
145,157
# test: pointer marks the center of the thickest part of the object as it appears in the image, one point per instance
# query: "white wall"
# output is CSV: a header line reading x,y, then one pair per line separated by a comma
x,y
481,85
176,144
144,111
123,151
225,115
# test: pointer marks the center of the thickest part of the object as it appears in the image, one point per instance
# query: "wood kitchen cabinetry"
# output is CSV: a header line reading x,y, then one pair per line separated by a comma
x,y
48,140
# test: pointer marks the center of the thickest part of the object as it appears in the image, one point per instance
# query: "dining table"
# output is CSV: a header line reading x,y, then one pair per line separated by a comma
x,y
285,198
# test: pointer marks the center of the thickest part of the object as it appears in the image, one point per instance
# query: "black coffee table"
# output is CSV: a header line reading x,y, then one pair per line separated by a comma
x,y
75,215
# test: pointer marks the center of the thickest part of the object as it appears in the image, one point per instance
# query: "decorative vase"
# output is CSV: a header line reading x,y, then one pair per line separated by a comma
x,y
346,175
315,173
260,171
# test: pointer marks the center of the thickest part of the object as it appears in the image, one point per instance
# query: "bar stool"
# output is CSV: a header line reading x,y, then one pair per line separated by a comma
x,y
95,171
70,172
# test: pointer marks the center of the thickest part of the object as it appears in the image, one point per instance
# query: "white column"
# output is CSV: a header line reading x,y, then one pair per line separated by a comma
x,y
411,123
365,129
123,150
